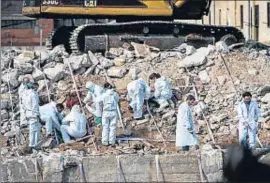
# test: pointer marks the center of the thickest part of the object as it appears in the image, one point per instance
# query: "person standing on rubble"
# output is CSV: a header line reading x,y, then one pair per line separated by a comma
x,y
73,125
23,87
30,105
138,91
162,90
92,100
248,114
110,105
185,134
51,114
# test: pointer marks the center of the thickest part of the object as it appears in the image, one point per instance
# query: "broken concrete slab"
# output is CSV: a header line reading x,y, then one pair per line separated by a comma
x,y
56,73
141,50
117,72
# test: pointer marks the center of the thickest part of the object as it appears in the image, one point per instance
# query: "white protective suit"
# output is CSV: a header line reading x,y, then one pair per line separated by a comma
x,y
21,92
109,117
163,91
248,121
30,105
77,124
138,90
94,93
185,121
51,117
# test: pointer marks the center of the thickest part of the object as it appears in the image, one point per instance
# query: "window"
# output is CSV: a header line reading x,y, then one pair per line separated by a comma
x,y
256,18
209,15
219,16
241,16
268,15
18,24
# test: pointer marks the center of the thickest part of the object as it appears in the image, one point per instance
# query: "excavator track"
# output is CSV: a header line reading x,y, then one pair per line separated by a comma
x,y
162,34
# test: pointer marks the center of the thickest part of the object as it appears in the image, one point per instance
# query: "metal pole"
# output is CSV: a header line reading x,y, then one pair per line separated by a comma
x,y
41,35
214,12
248,19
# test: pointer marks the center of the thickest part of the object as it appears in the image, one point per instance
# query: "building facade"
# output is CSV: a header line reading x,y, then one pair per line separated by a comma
x,y
18,30
252,17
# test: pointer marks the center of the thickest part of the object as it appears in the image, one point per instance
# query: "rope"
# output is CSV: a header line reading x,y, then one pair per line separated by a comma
x,y
9,91
119,170
236,91
78,95
200,165
45,79
157,166
148,110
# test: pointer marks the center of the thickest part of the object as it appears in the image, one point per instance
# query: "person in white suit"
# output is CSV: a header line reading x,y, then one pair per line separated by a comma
x,y
248,114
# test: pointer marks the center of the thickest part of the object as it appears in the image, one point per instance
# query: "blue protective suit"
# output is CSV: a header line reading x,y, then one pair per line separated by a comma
x,y
30,103
184,122
94,93
110,101
138,90
163,91
77,124
248,121
51,117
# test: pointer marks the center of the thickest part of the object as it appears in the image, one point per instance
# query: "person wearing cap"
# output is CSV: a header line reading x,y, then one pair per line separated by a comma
x,y
248,114
138,91
185,134
162,90
23,87
92,100
30,105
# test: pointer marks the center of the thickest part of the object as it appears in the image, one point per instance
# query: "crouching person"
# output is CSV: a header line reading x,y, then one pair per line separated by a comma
x,y
51,114
73,125
109,102
162,90
30,105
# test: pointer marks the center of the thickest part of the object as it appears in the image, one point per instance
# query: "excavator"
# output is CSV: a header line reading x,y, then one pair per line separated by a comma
x,y
153,22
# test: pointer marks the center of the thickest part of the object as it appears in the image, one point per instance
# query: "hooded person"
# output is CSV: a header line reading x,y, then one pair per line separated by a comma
x,y
30,105
51,114
26,84
162,90
185,134
109,101
138,91
92,100
73,125
248,114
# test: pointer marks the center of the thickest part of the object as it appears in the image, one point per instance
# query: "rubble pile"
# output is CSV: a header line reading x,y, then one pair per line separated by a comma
x,y
216,75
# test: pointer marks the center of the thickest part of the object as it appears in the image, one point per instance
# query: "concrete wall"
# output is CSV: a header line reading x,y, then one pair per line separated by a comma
x,y
172,168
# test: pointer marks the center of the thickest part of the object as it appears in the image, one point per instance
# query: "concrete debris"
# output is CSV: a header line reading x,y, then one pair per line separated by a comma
x,y
253,72
56,73
37,74
202,67
266,98
141,50
197,59
205,78
222,47
117,72
11,77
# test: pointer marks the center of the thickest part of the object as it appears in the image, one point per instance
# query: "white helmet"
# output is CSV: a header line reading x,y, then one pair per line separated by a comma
x,y
89,84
